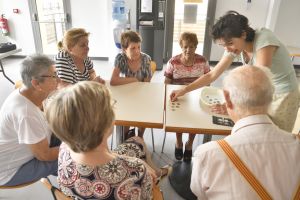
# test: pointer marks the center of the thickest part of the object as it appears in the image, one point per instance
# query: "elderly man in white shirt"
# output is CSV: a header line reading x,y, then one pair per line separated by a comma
x,y
271,155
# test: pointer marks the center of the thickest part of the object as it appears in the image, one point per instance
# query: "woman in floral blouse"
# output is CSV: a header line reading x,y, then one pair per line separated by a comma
x,y
87,169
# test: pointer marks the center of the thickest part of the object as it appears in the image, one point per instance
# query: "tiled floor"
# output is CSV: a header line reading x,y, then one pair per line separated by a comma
x,y
103,68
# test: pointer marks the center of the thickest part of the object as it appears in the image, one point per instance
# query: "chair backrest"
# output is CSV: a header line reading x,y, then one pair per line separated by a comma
x,y
18,84
153,67
59,195
17,186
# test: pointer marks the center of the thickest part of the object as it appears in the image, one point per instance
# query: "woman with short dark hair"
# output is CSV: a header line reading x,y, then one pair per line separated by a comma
x,y
131,65
254,47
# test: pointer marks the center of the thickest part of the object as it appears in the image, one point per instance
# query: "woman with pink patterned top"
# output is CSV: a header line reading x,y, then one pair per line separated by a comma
x,y
183,69
82,116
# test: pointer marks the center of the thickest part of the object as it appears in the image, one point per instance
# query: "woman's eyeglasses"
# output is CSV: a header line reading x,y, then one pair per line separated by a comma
x,y
50,76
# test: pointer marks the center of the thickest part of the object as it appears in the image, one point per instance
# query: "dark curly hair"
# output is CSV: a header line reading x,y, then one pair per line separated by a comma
x,y
231,25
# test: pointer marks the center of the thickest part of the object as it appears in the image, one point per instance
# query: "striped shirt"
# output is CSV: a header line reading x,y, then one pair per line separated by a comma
x,y
67,70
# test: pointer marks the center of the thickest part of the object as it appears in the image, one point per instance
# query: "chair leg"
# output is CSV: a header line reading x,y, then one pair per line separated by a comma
x,y
163,146
152,140
207,138
119,135
112,141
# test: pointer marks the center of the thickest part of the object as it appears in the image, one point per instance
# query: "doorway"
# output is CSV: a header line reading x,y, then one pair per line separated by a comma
x,y
189,15
50,20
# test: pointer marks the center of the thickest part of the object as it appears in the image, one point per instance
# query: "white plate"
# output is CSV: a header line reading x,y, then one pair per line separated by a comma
x,y
210,96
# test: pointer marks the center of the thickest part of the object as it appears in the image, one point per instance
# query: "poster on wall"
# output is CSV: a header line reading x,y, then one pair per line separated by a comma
x,y
146,6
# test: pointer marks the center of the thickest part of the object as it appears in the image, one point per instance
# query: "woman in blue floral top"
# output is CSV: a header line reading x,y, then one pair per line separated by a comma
x,y
131,65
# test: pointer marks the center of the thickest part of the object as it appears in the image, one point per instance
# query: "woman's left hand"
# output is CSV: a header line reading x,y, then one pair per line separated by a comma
x,y
99,80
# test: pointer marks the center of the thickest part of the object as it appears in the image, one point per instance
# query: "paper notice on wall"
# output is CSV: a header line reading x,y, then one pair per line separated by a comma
x,y
146,6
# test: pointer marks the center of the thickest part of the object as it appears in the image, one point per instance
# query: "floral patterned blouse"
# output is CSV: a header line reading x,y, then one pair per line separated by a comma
x,y
124,177
121,62
181,74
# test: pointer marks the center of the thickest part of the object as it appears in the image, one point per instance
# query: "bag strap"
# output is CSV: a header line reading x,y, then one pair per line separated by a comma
x,y
297,193
243,169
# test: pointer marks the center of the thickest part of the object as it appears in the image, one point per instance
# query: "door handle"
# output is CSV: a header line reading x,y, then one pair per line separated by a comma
x,y
35,17
67,18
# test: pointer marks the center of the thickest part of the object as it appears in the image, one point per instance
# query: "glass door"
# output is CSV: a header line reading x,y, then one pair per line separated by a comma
x,y
189,15
50,20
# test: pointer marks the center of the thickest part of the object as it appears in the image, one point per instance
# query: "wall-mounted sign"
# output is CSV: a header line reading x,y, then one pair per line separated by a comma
x,y
146,6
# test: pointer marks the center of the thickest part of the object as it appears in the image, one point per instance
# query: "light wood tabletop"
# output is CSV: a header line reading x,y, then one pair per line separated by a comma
x,y
139,104
186,115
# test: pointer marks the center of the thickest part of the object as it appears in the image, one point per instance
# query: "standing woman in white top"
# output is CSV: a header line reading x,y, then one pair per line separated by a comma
x,y
254,47
72,61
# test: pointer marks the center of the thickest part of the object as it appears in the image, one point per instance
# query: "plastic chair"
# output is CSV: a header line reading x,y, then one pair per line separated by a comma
x,y
57,194
18,186
18,84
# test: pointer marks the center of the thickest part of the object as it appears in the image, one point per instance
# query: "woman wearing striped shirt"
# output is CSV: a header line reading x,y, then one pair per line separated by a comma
x,y
72,61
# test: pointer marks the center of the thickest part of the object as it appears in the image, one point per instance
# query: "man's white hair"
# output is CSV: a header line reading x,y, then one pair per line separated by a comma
x,y
250,89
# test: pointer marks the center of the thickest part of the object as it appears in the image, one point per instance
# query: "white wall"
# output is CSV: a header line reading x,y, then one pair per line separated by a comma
x,y
281,16
287,26
19,25
257,13
91,15
94,16
131,5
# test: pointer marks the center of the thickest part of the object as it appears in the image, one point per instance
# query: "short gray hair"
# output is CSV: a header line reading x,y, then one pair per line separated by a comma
x,y
250,88
33,66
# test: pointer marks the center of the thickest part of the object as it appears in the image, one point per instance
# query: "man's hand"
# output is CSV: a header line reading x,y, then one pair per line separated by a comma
x,y
219,109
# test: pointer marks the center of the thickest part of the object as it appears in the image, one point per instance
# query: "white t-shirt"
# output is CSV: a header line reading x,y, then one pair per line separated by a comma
x,y
21,123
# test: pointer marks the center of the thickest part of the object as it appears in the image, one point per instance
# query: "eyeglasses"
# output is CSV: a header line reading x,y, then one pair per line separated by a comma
x,y
49,76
